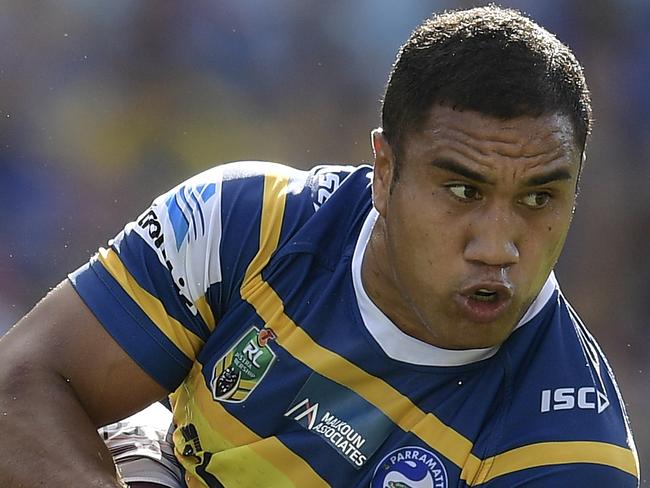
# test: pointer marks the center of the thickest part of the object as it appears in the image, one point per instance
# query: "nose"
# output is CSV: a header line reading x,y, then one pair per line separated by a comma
x,y
492,238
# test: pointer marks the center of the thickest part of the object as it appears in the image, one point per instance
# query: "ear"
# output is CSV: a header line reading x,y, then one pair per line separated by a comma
x,y
384,165
583,159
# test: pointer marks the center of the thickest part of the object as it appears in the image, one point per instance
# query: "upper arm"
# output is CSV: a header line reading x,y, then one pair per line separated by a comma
x,y
60,339
126,327
130,324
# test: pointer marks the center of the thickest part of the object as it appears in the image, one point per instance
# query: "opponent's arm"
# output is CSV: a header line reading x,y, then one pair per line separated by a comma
x,y
61,377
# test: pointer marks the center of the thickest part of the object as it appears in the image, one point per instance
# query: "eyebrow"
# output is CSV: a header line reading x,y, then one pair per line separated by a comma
x,y
459,169
558,174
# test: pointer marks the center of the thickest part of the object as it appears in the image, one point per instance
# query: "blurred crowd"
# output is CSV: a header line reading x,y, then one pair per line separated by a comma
x,y
104,105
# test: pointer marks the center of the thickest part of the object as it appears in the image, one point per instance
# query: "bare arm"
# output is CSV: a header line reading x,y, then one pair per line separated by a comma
x,y
61,377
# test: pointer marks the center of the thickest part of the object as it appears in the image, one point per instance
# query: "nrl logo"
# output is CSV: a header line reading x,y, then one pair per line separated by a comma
x,y
242,368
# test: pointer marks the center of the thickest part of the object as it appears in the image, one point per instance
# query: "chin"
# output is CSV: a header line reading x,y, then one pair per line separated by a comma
x,y
485,336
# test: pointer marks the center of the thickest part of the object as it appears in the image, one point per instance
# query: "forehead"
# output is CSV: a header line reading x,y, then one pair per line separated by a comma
x,y
480,137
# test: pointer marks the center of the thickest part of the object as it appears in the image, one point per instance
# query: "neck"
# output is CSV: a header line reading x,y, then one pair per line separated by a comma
x,y
382,286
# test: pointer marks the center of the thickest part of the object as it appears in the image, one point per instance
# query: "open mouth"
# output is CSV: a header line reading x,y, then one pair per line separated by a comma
x,y
485,295
485,302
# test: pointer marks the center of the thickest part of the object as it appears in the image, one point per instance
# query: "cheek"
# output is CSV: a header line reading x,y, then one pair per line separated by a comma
x,y
549,241
425,230
428,245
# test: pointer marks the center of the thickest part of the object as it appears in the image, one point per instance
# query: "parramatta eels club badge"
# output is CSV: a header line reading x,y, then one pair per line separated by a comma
x,y
242,368
410,467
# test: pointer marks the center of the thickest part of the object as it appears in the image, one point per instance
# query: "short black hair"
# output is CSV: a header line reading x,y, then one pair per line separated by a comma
x,y
491,60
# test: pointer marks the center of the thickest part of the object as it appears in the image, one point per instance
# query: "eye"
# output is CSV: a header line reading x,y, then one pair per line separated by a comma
x,y
464,192
536,199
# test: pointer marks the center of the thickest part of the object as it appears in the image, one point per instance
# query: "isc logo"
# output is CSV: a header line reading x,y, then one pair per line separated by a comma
x,y
586,398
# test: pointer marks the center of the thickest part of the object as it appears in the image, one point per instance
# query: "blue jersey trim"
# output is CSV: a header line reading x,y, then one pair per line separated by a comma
x,y
570,475
130,327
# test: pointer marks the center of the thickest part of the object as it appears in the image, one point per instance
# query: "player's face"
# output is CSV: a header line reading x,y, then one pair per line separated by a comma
x,y
473,225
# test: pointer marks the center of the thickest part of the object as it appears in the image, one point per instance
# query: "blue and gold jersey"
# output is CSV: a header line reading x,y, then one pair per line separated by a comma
x,y
240,292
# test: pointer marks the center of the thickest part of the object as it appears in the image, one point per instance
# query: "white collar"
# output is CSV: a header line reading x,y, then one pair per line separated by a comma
x,y
401,346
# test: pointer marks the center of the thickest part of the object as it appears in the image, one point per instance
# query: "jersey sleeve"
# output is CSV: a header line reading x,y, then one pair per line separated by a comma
x,y
148,286
157,286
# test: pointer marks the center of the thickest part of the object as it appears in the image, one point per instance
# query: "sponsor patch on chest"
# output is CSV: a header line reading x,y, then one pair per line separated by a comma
x,y
346,422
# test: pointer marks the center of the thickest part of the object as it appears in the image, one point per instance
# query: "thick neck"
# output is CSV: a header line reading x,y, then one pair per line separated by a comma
x,y
367,272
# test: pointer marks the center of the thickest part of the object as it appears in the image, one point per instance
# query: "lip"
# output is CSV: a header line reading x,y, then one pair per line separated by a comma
x,y
485,311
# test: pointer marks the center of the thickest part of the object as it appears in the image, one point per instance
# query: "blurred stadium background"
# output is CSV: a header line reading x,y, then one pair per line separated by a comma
x,y
104,105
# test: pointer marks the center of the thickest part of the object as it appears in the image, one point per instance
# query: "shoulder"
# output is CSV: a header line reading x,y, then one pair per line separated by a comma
x,y
565,418
235,192
252,180
257,208
325,180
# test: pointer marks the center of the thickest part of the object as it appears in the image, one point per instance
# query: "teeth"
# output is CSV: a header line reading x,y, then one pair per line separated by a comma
x,y
484,295
485,291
